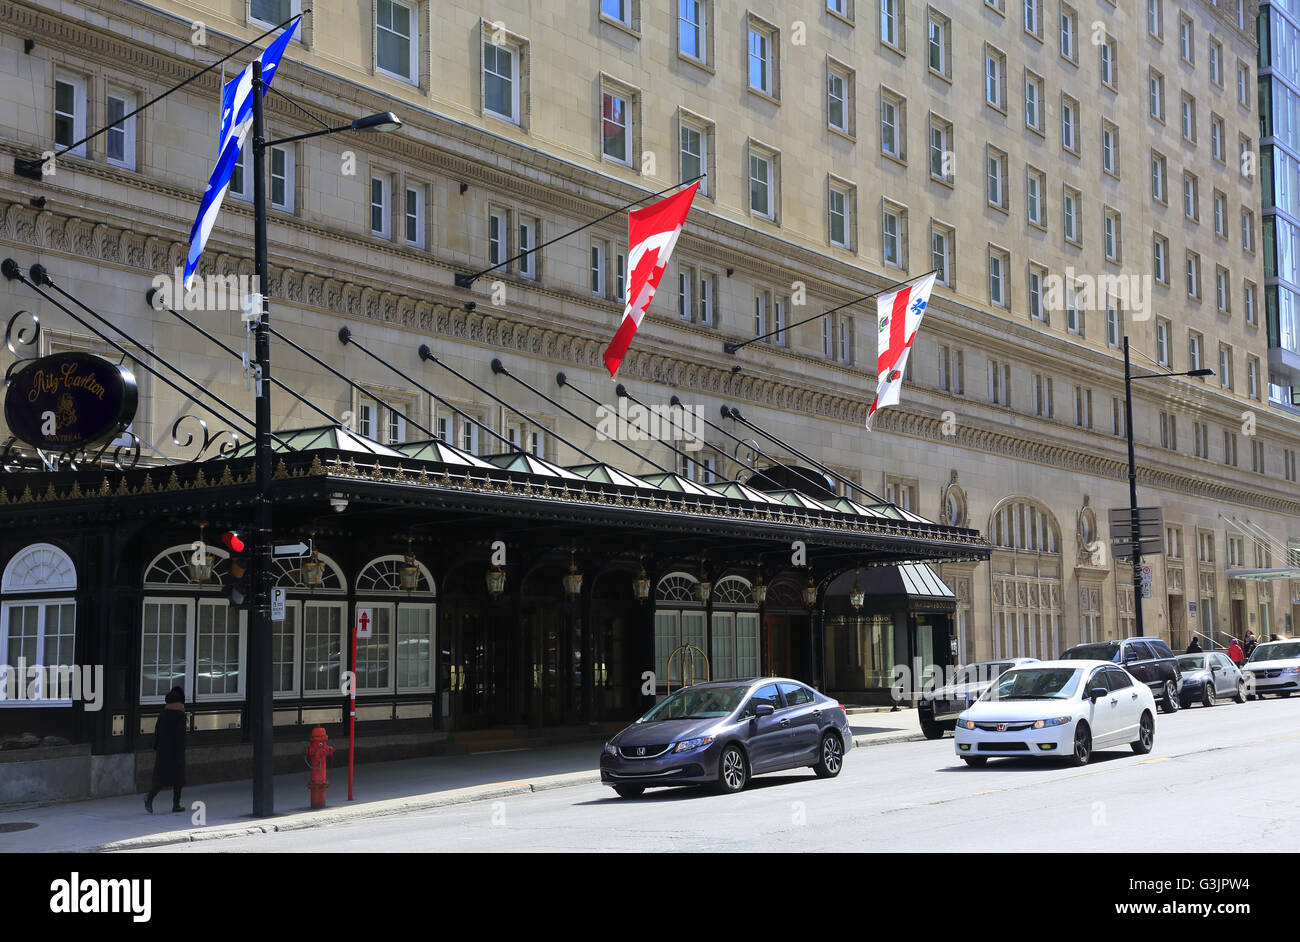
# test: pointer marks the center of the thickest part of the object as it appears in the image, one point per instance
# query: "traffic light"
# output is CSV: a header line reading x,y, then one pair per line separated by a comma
x,y
239,588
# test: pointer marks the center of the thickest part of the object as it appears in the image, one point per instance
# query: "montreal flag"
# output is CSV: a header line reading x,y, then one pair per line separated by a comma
x,y
651,234
899,314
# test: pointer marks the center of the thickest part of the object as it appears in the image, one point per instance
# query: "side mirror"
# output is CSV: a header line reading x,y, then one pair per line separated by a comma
x,y
764,709
1215,667
1096,693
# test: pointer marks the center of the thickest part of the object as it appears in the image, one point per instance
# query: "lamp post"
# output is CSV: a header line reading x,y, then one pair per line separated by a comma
x,y
260,649
1134,529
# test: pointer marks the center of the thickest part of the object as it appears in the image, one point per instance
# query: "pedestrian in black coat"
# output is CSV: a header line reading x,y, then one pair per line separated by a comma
x,y
1194,647
169,749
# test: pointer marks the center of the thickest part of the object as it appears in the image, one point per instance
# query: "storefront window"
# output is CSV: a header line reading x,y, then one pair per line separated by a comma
x,y
398,656
860,652
38,621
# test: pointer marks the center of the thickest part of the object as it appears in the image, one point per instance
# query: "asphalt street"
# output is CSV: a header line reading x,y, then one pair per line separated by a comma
x,y
1218,780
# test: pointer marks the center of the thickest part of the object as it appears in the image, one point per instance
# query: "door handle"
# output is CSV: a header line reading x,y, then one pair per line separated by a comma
x,y
1114,700
785,722
1135,696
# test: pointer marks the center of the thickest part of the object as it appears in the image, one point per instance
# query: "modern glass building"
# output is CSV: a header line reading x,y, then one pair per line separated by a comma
x,y
1279,119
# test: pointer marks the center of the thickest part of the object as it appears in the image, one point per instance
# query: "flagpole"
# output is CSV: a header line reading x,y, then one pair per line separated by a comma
x,y
464,280
733,347
260,647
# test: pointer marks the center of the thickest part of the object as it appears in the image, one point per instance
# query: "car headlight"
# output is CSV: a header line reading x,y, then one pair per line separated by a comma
x,y
686,745
1054,721
611,749
966,724
1291,670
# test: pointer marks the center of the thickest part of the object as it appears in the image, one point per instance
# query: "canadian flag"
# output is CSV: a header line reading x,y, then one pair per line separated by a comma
x,y
651,234
899,315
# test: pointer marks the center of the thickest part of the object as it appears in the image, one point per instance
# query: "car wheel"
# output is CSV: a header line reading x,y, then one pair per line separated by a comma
x,y
1207,699
733,773
931,730
1284,694
1146,734
832,759
1082,746
975,761
629,791
1241,692
1170,699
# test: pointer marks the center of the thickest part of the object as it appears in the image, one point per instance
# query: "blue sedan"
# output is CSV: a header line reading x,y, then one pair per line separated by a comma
x,y
722,733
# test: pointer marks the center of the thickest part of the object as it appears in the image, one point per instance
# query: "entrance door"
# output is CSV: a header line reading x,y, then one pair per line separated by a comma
x,y
544,632
776,645
481,655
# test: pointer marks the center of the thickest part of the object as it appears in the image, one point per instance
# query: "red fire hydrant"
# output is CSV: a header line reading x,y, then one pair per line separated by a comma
x,y
317,751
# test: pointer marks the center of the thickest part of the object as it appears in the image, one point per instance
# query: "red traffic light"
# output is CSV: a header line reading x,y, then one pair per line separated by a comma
x,y
232,541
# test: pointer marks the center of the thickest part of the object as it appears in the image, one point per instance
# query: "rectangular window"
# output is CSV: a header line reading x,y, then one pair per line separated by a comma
x,y
1194,348
892,130
615,127
941,163
1216,63
761,60
837,99
707,289
891,23
1159,173
1073,315
1156,18
1033,101
1117,416
396,39
1110,148
998,295
38,633
996,178
1160,259
1069,33
1069,123
1037,275
1162,341
1222,299
995,73
1111,235
617,10
941,253
1114,323
1193,277
1034,18
1070,215
597,269
1243,84
1225,367
840,213
1185,41
1168,431
1191,197
846,341
939,46
501,81
761,179
692,38
1252,377
528,241
415,216
891,236
119,141
1248,303
380,190
498,236
70,112
760,314
694,154
1216,138
1220,214
322,647
166,636
282,182
1108,51
1188,111
1035,203
685,293
1156,95
1247,231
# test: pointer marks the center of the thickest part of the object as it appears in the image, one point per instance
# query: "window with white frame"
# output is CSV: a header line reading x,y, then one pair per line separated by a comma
x,y
415,216
1070,218
1247,230
1160,259
1035,197
1034,18
1114,323
530,228
1041,391
708,291
1193,276
501,75
893,131
840,215
941,163
1069,33
1195,345
1033,101
939,45
1188,111
1082,407
1252,376
1248,303
692,29
1216,62
1073,314
1069,124
1111,235
38,624
381,188
999,377
282,178
1156,18
693,152
1225,366
1159,177
1108,52
1162,341
891,23
1243,84
1186,43
762,183
616,130
273,12
839,98
399,656
996,178
762,58
999,261
70,112
1216,138
397,40
1222,295
685,293
941,253
995,78
1110,148
1156,95
498,235
1036,280
596,269
846,341
1191,197
119,140
618,10
1220,202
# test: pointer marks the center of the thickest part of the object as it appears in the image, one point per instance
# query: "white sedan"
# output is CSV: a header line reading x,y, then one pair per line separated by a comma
x,y
1062,709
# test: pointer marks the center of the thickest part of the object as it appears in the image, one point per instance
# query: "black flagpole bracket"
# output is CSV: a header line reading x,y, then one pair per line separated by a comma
x,y
465,281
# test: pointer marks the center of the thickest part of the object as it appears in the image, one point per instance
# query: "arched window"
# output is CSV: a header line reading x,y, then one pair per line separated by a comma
x,y
190,635
679,620
38,619
1026,580
734,629
310,644
398,656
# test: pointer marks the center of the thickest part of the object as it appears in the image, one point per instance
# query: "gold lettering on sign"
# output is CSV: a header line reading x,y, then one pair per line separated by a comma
x,y
47,382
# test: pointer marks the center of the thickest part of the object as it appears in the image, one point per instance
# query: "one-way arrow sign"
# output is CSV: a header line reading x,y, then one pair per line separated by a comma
x,y
291,550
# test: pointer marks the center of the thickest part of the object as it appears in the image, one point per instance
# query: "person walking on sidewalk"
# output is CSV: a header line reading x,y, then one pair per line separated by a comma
x,y
1235,654
169,746
1195,646
1249,644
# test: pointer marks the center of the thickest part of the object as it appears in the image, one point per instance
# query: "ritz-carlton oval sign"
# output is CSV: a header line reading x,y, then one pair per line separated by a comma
x,y
70,400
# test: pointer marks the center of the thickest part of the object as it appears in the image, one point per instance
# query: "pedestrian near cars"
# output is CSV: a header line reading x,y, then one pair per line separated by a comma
x,y
1235,654
169,750
1249,646
1194,647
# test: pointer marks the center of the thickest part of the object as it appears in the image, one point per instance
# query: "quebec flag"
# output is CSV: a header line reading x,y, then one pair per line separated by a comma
x,y
236,119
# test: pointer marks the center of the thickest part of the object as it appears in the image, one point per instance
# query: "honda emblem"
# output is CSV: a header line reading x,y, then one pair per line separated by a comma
x,y
1002,727
640,750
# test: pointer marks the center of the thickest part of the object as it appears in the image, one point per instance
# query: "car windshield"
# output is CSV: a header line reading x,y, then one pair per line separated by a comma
x,y
1108,651
1035,683
1276,651
1191,662
981,673
697,703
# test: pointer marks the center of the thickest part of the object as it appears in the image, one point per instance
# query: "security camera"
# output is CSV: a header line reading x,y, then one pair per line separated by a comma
x,y
339,503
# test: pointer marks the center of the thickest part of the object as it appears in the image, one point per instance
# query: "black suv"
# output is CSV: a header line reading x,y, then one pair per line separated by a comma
x,y
1147,659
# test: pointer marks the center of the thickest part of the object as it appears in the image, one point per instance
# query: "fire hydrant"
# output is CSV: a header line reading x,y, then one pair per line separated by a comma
x,y
317,751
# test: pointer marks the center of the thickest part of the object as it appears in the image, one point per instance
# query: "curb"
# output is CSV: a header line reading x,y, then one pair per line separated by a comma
x,y
300,821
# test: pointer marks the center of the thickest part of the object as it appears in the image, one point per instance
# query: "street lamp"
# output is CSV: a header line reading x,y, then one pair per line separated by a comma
x,y
1134,529
261,678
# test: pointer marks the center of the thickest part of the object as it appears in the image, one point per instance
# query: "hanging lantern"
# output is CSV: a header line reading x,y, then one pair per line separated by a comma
x,y
760,589
313,570
410,569
496,581
200,561
641,584
573,578
856,595
810,593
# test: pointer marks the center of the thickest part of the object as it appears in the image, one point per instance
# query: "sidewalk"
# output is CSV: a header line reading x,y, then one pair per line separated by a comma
x,y
383,788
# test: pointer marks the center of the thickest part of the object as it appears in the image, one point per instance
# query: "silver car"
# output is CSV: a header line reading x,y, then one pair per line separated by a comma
x,y
723,732
1208,677
938,710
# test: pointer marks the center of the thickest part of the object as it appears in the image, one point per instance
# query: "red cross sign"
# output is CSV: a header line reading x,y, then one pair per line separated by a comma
x,y
364,622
